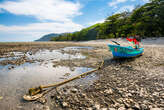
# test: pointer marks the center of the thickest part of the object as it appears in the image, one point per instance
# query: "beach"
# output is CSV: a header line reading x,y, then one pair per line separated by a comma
x,y
134,84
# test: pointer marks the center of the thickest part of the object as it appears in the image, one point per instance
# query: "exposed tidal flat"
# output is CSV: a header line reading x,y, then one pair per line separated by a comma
x,y
136,83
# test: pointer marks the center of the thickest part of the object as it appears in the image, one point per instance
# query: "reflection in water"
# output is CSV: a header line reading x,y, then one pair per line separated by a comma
x,y
76,48
14,83
55,55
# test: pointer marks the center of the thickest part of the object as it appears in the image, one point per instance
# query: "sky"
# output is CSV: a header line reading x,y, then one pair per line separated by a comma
x,y
28,20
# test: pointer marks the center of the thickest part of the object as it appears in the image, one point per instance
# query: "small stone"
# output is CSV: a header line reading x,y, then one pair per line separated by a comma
x,y
129,95
64,90
74,90
42,100
19,107
111,108
1,97
130,109
156,109
67,74
64,104
143,107
104,109
96,106
155,94
83,95
46,108
108,91
89,109
57,97
122,108
136,106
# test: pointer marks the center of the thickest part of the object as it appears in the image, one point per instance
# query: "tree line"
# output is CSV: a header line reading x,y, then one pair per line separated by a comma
x,y
146,21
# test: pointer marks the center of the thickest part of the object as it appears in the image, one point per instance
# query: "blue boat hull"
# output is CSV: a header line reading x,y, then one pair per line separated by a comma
x,y
125,52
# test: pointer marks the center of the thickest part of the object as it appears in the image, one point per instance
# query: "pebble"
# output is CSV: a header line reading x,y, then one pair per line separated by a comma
x,y
136,106
156,109
122,108
104,109
1,97
143,107
96,106
46,108
64,104
108,91
111,108
74,90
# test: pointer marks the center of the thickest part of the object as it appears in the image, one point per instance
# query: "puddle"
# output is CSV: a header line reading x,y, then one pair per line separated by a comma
x,y
54,55
15,82
76,48
45,55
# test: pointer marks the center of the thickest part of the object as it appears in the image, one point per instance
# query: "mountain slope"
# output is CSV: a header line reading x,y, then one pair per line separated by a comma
x,y
47,37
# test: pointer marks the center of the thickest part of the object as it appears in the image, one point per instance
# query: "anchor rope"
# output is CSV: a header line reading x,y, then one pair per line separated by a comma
x,y
32,98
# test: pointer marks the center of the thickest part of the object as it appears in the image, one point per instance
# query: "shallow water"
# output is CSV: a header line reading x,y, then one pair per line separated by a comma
x,y
15,82
45,55
76,48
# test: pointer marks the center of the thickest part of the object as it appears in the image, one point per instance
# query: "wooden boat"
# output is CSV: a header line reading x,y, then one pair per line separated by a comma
x,y
125,52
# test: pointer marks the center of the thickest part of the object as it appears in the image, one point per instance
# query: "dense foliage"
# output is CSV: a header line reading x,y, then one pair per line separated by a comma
x,y
146,21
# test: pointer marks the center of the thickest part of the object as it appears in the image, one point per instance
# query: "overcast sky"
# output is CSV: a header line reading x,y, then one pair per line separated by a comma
x,y
28,20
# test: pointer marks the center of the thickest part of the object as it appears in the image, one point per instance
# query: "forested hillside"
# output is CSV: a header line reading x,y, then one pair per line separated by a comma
x,y
47,37
146,21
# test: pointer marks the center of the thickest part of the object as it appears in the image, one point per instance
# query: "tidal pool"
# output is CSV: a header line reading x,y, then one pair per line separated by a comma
x,y
77,48
15,82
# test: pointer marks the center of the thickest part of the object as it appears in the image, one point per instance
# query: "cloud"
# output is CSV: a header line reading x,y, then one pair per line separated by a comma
x,y
146,1
115,2
95,22
59,13
55,10
125,8
36,30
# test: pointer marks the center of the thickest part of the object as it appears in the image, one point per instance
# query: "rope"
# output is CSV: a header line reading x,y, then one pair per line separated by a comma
x,y
76,77
37,91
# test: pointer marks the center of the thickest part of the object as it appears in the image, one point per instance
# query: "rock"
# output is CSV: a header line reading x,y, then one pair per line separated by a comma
x,y
162,95
11,67
46,108
64,90
155,94
58,97
111,109
89,109
42,100
64,104
74,90
108,91
156,109
143,107
122,108
19,107
66,74
96,107
136,107
82,95
104,109
1,97
129,95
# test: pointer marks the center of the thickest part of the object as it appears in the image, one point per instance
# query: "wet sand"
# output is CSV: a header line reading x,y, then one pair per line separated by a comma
x,y
136,83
